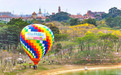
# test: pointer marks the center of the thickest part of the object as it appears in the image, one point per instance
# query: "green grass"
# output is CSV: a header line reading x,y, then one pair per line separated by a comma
x,y
10,73
27,71
41,68
14,72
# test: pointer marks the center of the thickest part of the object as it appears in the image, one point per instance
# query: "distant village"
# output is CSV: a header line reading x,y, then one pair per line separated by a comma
x,y
6,16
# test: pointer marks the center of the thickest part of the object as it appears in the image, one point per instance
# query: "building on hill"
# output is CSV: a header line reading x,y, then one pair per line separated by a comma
x,y
93,15
47,14
80,17
34,15
5,13
41,18
86,16
53,13
24,18
89,14
99,13
5,18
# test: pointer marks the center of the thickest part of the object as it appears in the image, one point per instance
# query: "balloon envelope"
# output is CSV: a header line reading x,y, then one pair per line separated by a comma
x,y
36,40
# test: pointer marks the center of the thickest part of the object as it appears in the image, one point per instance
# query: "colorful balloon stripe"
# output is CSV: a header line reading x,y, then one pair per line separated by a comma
x,y
28,46
36,40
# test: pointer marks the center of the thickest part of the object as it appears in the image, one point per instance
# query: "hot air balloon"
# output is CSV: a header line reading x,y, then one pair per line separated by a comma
x,y
36,40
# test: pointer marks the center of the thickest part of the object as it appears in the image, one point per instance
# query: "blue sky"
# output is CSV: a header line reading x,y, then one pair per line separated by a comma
x,y
71,6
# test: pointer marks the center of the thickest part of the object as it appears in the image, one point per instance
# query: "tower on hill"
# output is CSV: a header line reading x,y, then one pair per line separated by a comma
x,y
59,9
40,13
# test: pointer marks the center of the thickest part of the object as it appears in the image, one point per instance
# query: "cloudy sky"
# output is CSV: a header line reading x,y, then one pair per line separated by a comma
x,y
71,6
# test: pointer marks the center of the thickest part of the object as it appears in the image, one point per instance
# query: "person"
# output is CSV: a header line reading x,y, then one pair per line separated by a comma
x,y
14,64
52,61
43,61
35,67
49,62
30,64
24,65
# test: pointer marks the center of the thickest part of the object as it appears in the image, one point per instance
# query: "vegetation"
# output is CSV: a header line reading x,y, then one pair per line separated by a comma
x,y
89,41
90,21
74,21
113,12
60,16
114,22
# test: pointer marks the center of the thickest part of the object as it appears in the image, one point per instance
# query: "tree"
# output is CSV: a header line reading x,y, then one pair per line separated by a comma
x,y
60,16
117,21
113,12
69,46
47,20
109,22
58,49
108,41
34,21
108,36
14,28
90,39
80,41
61,37
74,21
17,23
3,37
90,21
114,22
53,28
105,15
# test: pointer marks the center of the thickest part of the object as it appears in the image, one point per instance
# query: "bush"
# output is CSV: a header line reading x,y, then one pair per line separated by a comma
x,y
100,26
61,37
